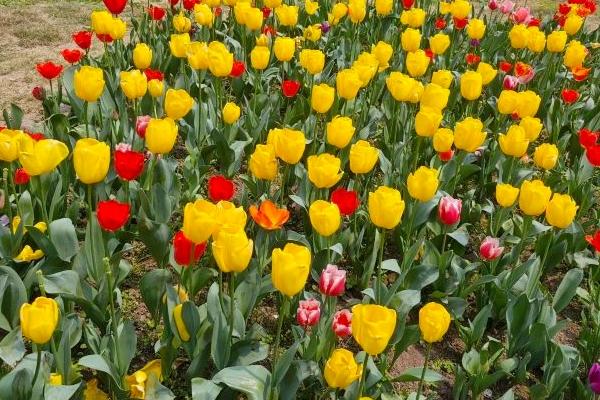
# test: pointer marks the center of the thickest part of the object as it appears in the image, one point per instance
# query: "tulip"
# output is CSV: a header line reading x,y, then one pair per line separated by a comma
x,y
229,217
112,215
179,43
532,126
42,156
537,40
198,56
384,7
545,156
366,66
287,15
290,268
72,56
413,17
231,113
324,217
471,83
373,326
21,177
569,96
324,170
556,41
311,7
289,144
284,48
476,28
449,210
39,319
220,188
443,139
403,87
155,87
347,83
199,220
594,240
129,164
313,61
156,13
423,183
573,24
385,207
357,10
587,138
534,197
141,124
411,40
341,369
180,324
427,121
514,143
506,194
575,54
237,69
561,210
263,162
594,378
469,134
490,248
232,250
259,57
522,15
417,63
181,23
27,254
308,313
322,97
9,144
342,323
519,36
487,72
346,200
434,322
161,135
363,157
340,131
268,216
89,83
133,84
333,281
442,78
383,52
138,380
55,379
83,39
49,70
182,250
142,56
178,103
434,96
290,88
438,43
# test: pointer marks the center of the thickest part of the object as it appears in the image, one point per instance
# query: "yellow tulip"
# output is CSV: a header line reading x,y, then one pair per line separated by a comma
x,y
338,11
434,96
287,15
324,170
373,326
263,40
411,39
133,84
312,60
231,113
138,380
427,121
42,156
289,144
545,155
118,29
366,66
384,7
181,23
363,157
340,131
413,17
476,28
259,57
532,126
403,87
178,44
573,24
39,319
89,83
324,217
443,78
253,18
434,321
341,369
460,9
534,197
55,379
198,55
204,15
273,3
417,63
556,41
229,217
91,160
284,48
321,98
178,103
383,52
142,56
357,10
263,162
27,254
385,207
519,36
161,135
537,40
528,104
506,194
469,134
514,143
508,102
240,10
232,250
487,72
156,87
199,220
575,54
561,210
347,83
9,144
92,392
180,324
443,139
439,43
313,32
311,7
290,268
423,183
471,83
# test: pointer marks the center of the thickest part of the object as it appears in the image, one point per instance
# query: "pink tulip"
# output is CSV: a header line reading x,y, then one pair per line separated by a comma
x,y
333,281
449,210
342,323
493,4
522,15
490,248
141,124
506,6
523,79
510,82
309,312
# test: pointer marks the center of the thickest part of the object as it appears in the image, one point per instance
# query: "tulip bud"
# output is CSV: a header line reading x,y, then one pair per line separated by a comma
x,y
333,281
449,210
490,248
342,323
141,124
38,93
309,312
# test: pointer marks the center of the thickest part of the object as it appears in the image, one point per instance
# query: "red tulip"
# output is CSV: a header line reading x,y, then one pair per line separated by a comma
x,y
237,69
346,200
440,23
594,240
460,23
490,248
112,215
156,13
153,74
129,164
21,177
83,39
38,93
49,70
266,12
308,313
407,3
472,59
189,4
429,53
218,11
220,188
182,249
564,8
587,137
510,82
342,323
115,6
570,96
173,2
333,281
141,123
534,22
36,136
505,66
104,38
493,5
449,210
592,153
72,56
446,155
269,30
290,88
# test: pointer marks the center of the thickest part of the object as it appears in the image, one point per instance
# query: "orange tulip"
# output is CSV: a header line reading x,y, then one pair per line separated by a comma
x,y
268,216
580,73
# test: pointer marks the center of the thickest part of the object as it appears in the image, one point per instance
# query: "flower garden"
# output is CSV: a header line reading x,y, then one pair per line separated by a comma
x,y
302,194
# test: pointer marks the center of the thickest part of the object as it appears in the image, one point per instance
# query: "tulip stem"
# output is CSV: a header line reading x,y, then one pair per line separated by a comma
x,y
420,388
363,378
113,318
379,268
282,314
38,363
85,119
231,307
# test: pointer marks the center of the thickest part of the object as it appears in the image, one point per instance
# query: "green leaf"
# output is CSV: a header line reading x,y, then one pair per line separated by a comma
x,y
12,295
414,374
60,392
64,238
246,352
567,288
12,348
283,364
64,282
152,288
252,380
203,389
